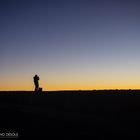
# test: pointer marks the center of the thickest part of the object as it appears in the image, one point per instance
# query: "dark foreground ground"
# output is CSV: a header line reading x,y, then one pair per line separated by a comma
x,y
71,114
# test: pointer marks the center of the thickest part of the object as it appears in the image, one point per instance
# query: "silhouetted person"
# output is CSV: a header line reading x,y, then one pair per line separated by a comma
x,y
36,82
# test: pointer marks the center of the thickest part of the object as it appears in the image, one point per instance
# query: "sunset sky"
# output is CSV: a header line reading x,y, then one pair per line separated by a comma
x,y
70,44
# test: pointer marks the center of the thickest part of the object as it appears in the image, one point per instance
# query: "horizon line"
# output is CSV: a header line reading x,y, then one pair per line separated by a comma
x,y
65,90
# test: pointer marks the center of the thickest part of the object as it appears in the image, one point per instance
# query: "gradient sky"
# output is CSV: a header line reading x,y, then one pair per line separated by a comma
x,y
70,44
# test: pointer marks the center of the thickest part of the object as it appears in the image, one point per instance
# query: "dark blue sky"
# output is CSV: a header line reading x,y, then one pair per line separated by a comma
x,y
71,44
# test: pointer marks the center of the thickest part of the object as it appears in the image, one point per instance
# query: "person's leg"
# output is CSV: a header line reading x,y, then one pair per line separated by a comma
x,y
36,86
35,89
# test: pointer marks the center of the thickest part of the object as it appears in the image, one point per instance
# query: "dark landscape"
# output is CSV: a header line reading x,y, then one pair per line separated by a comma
x,y
98,114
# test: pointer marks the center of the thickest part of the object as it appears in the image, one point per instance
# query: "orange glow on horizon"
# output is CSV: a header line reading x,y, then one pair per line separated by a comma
x,y
68,87
66,81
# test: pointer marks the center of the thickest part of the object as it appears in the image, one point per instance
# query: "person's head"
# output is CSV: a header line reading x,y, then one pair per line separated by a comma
x,y
36,75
